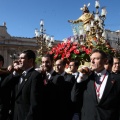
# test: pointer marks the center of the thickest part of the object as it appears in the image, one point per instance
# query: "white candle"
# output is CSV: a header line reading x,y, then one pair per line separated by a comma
x,y
81,32
97,17
52,39
88,28
103,12
41,22
103,34
97,5
92,23
37,34
72,39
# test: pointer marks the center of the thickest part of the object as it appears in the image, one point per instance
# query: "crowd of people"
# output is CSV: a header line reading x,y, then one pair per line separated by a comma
x,y
51,93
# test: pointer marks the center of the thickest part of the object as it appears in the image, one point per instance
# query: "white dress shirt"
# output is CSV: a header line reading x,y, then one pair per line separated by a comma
x,y
75,74
49,74
103,79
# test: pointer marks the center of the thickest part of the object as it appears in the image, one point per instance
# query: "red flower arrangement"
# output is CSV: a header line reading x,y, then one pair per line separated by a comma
x,y
73,50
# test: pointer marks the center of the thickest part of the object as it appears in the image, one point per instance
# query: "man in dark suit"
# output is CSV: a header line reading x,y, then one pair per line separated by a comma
x,y
108,65
27,89
3,73
116,65
54,91
73,66
99,98
69,82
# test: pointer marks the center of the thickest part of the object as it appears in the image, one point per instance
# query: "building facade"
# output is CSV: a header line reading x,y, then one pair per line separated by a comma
x,y
10,46
113,37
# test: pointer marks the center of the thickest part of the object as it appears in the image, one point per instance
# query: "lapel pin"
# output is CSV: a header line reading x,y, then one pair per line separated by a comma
x,y
25,80
112,81
45,82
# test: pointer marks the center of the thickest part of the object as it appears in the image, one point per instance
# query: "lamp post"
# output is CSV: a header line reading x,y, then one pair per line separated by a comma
x,y
44,41
14,56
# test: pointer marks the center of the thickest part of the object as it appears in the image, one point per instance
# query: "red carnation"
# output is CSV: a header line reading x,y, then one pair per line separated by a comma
x,y
88,51
76,51
68,55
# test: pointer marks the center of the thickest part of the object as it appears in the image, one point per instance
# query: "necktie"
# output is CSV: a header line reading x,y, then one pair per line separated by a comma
x,y
98,84
48,76
97,78
21,79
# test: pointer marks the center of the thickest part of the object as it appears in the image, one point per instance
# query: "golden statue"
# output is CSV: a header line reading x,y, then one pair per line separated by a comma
x,y
86,17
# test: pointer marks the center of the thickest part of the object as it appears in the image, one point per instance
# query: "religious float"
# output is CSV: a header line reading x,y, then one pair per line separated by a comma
x,y
88,34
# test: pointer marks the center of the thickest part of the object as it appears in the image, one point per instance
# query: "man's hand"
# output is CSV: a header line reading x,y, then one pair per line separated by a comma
x,y
17,67
70,21
84,72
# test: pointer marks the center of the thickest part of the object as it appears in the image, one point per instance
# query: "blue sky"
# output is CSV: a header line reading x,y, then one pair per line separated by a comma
x,y
22,17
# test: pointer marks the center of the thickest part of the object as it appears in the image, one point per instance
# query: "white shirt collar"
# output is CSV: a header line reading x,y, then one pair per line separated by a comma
x,y
26,71
50,72
75,74
101,73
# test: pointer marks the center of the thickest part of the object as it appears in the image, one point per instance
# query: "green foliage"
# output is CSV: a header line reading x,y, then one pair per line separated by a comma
x,y
38,60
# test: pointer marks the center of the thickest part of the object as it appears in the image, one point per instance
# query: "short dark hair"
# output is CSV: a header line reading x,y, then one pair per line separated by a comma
x,y
30,54
49,56
103,54
63,62
76,62
2,59
110,59
118,58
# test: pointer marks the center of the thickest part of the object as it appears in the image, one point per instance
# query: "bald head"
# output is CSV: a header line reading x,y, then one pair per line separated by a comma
x,y
60,66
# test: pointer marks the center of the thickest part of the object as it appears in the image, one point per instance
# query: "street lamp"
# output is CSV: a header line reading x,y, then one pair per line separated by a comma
x,y
14,56
44,41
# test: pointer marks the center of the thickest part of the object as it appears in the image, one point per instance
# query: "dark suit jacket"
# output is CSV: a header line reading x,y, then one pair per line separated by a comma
x,y
54,98
27,100
109,105
3,113
69,106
